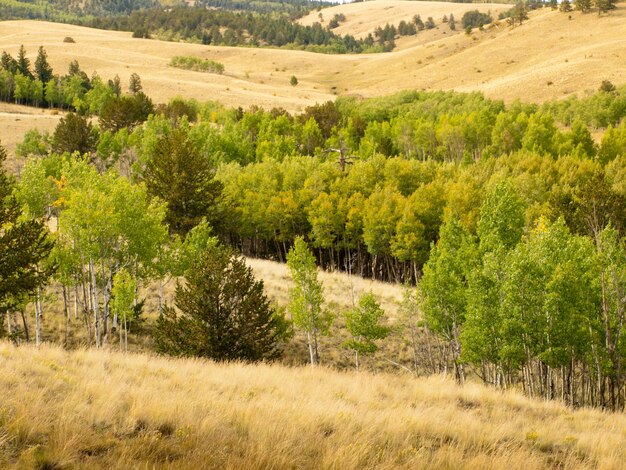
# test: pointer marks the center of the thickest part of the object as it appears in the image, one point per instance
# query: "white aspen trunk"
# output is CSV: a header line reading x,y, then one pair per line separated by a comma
x,y
37,321
308,338
121,342
125,334
356,354
160,297
75,302
106,297
94,292
9,323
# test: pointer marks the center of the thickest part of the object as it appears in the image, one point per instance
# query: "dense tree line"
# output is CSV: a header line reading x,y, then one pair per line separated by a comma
x,y
231,28
70,11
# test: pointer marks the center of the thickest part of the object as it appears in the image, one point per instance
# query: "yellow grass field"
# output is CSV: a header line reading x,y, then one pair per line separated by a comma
x,y
97,409
548,57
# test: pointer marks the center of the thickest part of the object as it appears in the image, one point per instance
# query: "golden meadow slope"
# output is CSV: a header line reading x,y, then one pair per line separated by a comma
x,y
549,57
97,409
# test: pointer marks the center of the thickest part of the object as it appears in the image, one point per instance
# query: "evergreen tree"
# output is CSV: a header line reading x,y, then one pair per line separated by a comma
x,y
23,63
184,179
74,133
115,85
9,63
135,84
566,6
43,71
452,22
583,6
221,313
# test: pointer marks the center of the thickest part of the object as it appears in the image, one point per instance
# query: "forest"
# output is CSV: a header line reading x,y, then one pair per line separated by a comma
x,y
506,219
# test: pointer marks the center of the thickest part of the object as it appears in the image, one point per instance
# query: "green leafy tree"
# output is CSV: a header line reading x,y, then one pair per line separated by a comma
x,y
443,287
25,246
363,323
306,297
499,230
221,313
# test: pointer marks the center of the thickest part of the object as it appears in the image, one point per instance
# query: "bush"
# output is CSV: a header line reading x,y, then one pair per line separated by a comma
x,y
197,64
68,39
607,86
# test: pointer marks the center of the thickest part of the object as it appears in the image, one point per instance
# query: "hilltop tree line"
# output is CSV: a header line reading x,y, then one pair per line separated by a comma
x,y
37,85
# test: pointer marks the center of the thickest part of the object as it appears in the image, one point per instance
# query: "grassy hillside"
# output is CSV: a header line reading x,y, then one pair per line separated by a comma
x,y
96,409
362,18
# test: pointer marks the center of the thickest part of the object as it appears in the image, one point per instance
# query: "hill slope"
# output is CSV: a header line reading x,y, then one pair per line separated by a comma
x,y
93,409
362,18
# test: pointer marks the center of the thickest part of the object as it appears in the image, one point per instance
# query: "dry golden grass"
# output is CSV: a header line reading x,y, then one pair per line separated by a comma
x,y
96,409
340,289
362,18
16,120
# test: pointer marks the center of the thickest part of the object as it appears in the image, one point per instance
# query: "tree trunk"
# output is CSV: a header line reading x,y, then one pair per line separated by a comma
x,y
308,338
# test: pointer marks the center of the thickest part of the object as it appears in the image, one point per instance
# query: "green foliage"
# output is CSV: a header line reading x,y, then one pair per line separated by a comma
x,y
474,19
363,323
74,133
197,64
125,112
123,296
306,297
181,176
25,246
221,313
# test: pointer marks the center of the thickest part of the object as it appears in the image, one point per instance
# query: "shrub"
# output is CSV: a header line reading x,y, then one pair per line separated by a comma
x,y
197,64
68,39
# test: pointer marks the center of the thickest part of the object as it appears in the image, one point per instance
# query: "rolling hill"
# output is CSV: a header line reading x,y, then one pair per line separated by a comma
x,y
551,56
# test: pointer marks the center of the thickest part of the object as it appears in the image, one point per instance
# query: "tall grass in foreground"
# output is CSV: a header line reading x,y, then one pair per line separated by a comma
x,y
94,409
